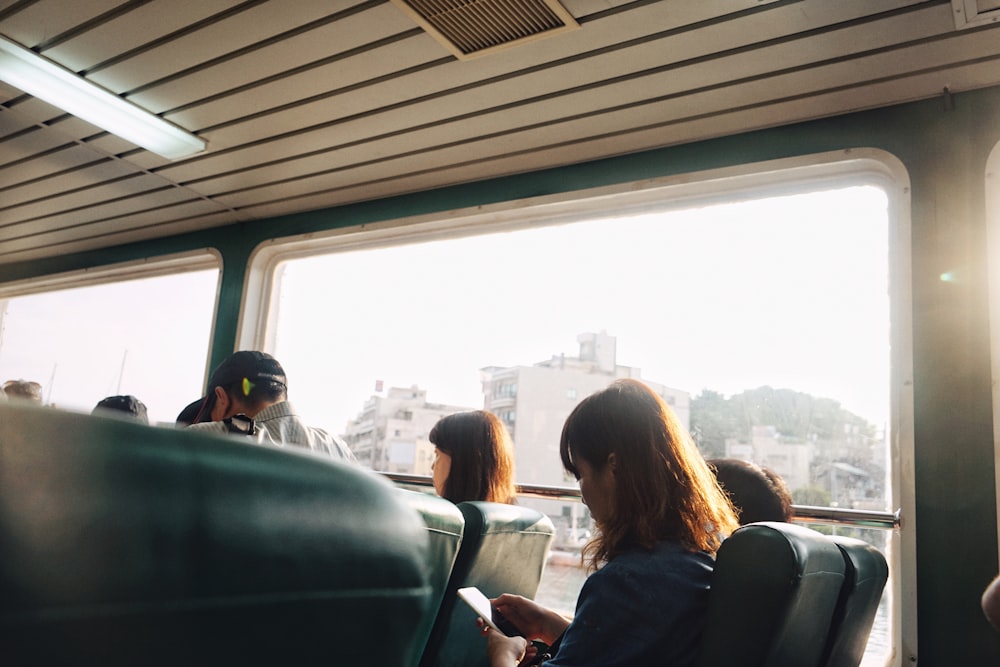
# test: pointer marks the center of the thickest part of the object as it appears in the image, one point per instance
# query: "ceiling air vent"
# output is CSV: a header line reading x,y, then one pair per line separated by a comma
x,y
470,28
973,13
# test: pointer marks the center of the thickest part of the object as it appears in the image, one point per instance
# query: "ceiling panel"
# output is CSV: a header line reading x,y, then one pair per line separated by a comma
x,y
129,31
315,103
285,104
62,161
526,101
133,226
276,72
35,23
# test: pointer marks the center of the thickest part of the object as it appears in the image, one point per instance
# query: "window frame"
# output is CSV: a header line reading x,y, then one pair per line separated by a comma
x,y
201,259
992,191
841,168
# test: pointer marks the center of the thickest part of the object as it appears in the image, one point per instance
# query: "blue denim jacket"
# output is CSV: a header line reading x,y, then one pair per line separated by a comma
x,y
640,609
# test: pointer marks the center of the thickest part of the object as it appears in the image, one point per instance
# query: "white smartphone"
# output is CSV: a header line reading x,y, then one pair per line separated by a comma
x,y
486,611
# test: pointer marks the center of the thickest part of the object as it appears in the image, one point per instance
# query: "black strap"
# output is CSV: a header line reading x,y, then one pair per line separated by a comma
x,y
546,652
240,424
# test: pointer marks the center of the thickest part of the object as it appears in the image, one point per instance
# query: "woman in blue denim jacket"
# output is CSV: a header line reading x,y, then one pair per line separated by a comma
x,y
660,516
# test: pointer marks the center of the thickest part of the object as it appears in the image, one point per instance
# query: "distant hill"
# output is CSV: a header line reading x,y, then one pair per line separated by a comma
x,y
795,415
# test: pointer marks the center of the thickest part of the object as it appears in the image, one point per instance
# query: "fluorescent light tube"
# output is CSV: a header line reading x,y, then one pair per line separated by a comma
x,y
26,70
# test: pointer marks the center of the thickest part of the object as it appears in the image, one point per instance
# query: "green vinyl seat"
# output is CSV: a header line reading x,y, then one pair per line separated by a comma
x,y
866,572
125,544
445,525
504,549
774,590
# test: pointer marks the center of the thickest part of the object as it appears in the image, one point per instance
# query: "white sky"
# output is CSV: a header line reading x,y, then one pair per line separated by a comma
x,y
789,292
74,342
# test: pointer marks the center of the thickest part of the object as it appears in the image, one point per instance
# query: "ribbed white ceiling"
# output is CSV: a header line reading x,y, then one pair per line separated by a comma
x,y
312,104
472,27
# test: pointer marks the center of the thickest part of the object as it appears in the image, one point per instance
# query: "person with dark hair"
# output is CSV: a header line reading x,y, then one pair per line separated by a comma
x,y
23,390
126,405
473,458
248,395
758,494
190,412
661,517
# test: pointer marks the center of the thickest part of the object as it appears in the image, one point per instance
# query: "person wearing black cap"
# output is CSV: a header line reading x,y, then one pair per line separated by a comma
x,y
248,394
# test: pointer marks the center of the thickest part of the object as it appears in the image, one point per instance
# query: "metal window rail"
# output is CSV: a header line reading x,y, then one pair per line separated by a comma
x,y
803,513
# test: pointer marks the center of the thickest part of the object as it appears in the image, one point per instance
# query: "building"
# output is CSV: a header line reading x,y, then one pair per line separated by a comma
x,y
807,464
789,459
390,433
534,401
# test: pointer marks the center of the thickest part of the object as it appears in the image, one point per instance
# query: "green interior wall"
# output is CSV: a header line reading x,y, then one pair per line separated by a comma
x,y
945,153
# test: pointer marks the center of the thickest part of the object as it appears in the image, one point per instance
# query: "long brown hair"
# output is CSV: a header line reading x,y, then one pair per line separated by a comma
x,y
482,457
663,488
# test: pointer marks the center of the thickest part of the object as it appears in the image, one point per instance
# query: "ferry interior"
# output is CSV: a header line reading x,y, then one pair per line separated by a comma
x,y
292,131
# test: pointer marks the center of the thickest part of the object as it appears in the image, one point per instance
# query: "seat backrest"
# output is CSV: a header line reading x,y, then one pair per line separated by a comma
x,y
504,549
125,544
864,578
445,525
774,590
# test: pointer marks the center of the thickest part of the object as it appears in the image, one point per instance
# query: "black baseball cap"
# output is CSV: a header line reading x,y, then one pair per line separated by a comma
x,y
248,367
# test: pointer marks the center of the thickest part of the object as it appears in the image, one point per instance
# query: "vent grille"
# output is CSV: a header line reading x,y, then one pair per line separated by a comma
x,y
471,28
974,13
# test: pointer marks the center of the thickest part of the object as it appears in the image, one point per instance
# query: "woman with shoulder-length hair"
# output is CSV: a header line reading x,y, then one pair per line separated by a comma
x,y
473,458
660,516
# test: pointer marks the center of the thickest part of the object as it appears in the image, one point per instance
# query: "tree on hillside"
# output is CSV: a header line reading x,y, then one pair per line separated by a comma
x,y
712,422
794,414
842,468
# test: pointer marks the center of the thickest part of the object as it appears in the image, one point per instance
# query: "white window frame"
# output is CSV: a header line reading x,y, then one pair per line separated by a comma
x,y
992,190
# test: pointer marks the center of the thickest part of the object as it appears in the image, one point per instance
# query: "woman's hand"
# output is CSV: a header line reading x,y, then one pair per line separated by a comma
x,y
533,620
504,651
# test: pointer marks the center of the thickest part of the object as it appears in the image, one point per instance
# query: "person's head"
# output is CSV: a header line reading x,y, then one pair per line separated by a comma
x,y
245,382
474,458
641,475
757,493
23,390
190,412
127,405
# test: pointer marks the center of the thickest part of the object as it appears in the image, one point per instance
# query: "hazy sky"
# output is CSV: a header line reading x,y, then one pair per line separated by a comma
x,y
789,292
143,337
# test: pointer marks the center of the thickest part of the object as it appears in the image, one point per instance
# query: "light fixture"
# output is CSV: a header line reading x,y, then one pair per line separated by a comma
x,y
26,70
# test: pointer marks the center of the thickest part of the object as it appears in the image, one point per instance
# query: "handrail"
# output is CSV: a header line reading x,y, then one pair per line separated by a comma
x,y
846,517
803,513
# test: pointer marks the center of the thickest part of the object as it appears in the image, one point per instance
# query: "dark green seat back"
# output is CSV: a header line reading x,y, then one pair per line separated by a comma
x,y
774,590
504,549
865,577
445,524
124,544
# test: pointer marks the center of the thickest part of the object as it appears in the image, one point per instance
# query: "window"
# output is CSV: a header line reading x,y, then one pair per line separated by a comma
x,y
762,318
84,341
779,304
